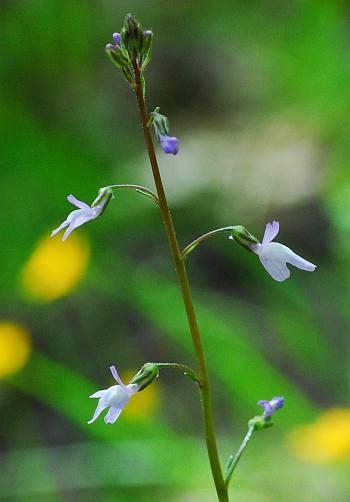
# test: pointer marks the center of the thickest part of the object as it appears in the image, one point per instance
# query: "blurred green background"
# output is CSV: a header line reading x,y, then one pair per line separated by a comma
x,y
258,94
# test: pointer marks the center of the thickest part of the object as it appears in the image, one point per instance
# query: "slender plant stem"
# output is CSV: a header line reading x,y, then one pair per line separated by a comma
x,y
187,250
234,460
139,188
182,367
221,488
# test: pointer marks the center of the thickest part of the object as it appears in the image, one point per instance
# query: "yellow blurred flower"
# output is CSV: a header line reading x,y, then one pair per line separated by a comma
x,y
55,267
324,441
15,347
144,403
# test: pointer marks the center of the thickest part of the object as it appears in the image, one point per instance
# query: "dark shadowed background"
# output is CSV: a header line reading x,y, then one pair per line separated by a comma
x,y
258,94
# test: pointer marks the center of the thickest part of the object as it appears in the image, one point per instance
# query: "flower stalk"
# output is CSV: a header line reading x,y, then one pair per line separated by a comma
x,y
186,370
138,188
257,423
204,387
190,247
234,459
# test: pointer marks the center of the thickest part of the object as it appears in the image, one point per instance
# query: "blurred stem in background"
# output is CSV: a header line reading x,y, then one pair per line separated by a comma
x,y
204,387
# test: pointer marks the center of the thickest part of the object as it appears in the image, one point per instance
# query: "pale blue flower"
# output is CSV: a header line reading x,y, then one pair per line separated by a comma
x,y
115,398
275,256
85,212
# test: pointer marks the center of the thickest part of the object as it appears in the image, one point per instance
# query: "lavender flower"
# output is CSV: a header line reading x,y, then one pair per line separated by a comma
x,y
271,406
169,144
275,256
115,397
85,212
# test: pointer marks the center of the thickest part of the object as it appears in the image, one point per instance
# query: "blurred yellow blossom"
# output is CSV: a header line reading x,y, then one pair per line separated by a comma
x,y
15,347
55,267
144,403
324,441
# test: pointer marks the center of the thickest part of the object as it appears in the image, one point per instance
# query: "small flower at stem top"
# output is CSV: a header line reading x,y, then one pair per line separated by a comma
x,y
85,212
115,398
273,255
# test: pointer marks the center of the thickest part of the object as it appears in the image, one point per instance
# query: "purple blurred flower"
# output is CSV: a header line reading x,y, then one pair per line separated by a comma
x,y
169,144
275,256
271,406
115,398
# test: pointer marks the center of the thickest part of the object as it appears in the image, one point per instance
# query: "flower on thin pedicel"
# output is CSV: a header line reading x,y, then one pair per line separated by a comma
x,y
115,398
85,212
271,406
275,256
169,144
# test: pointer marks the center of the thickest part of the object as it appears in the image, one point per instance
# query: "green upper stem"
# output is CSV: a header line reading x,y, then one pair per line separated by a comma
x,y
220,485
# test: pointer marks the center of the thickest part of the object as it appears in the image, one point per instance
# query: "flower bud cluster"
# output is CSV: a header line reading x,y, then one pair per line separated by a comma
x,y
131,46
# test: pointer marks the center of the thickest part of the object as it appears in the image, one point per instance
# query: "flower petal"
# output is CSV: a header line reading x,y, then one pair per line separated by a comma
x,y
76,202
76,219
102,405
274,257
268,410
58,229
271,231
99,393
116,376
276,268
112,415
277,402
299,262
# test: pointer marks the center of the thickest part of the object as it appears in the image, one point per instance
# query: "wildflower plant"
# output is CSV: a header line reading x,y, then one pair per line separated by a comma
x,y
130,52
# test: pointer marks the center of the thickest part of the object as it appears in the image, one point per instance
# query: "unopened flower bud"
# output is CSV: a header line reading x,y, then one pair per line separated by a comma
x,y
116,37
147,41
169,144
132,36
146,48
116,55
